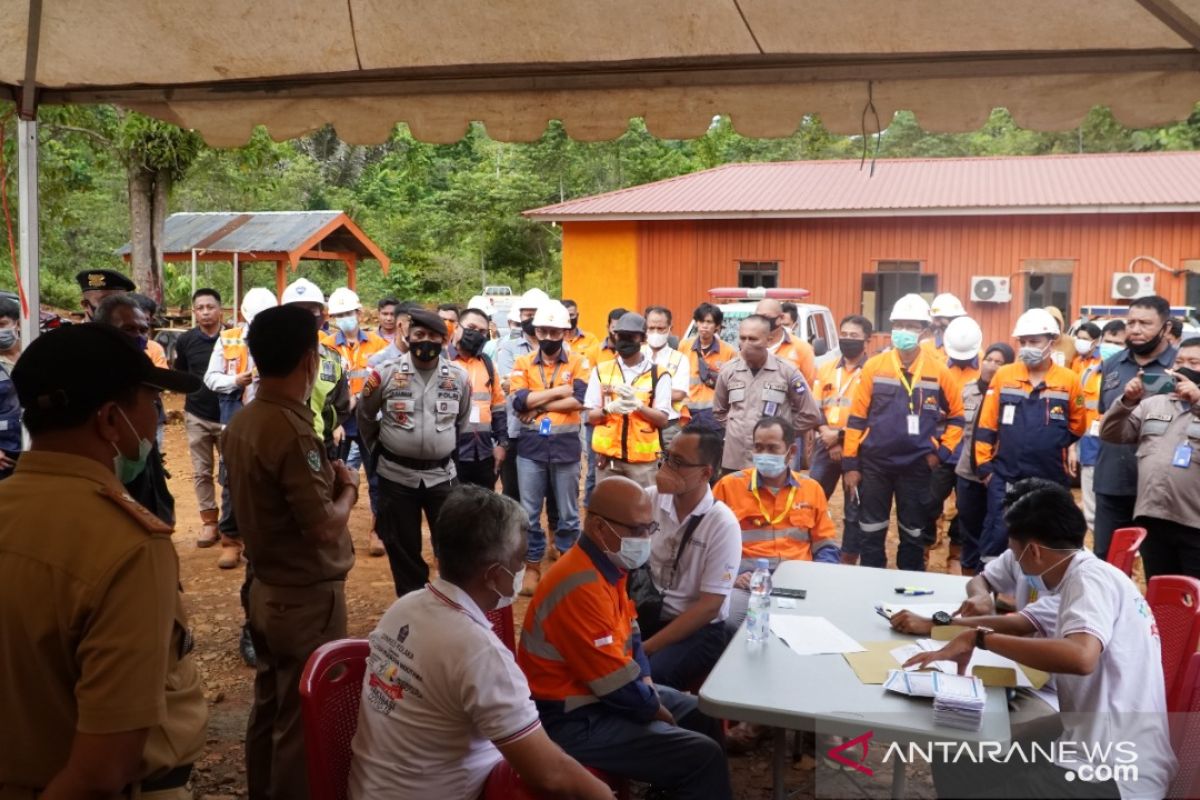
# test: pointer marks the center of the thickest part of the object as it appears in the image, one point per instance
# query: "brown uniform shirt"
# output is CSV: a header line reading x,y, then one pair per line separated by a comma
x,y
93,636
742,398
282,485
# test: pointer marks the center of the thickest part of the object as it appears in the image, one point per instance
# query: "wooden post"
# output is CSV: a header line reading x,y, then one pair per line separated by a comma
x,y
352,272
280,277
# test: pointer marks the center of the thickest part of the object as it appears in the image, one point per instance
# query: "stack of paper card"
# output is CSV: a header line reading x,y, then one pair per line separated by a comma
x,y
958,701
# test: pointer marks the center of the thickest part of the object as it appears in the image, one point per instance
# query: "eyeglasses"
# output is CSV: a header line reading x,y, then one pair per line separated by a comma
x,y
649,529
675,462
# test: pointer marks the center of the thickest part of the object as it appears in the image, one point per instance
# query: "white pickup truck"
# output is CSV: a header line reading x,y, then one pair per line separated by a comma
x,y
816,324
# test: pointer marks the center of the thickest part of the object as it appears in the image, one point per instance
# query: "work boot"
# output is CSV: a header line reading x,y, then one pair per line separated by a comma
x,y
208,530
375,547
533,574
246,646
231,552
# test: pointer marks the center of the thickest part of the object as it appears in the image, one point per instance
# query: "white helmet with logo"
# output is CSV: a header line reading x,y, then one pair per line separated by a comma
x,y
256,301
947,305
532,299
911,307
962,338
342,300
1036,322
302,290
552,314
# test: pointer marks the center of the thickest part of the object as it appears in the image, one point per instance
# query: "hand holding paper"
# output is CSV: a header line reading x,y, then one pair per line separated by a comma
x,y
958,650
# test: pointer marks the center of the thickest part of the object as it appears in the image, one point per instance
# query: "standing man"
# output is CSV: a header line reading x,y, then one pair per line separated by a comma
x,y
387,319
520,343
758,384
1081,458
100,695
10,403
449,315
944,309
412,412
1032,413
548,453
890,449
628,403
706,354
579,340
292,508
97,284
483,446
201,411
671,361
783,344
1147,352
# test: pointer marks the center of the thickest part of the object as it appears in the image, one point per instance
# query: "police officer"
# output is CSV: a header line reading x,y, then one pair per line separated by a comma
x,y
100,697
97,284
292,507
425,402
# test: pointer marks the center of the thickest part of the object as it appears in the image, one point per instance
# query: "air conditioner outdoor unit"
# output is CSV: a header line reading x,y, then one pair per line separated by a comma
x,y
1132,285
990,289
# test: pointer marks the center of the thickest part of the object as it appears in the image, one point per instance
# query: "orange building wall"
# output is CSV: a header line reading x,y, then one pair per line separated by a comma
x,y
679,261
600,270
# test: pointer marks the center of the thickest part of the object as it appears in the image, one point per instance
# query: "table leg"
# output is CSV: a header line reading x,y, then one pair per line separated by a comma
x,y
779,768
899,779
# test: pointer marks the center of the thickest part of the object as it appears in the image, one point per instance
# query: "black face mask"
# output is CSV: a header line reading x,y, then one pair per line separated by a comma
x,y
574,323
471,341
626,347
1191,374
1146,348
550,347
527,326
425,351
852,348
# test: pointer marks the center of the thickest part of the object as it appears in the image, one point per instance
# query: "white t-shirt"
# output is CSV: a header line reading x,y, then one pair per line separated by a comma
x,y
708,564
1004,575
440,692
662,390
1123,702
681,378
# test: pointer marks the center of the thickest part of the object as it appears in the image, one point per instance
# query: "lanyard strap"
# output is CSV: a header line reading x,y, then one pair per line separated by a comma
x,y
553,375
786,508
908,385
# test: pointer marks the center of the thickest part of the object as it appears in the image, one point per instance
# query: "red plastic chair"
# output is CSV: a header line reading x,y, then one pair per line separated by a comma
x,y
1124,548
1185,733
502,624
330,689
1175,602
504,784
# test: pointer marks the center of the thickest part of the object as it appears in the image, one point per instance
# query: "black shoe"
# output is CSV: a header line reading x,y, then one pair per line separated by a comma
x,y
246,647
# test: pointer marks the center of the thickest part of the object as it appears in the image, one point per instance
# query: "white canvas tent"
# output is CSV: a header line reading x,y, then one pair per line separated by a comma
x,y
224,66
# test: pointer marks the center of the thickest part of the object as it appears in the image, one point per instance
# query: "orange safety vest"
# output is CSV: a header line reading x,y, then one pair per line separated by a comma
x,y
676,362
834,391
800,353
356,356
628,437
787,525
700,394
484,398
235,351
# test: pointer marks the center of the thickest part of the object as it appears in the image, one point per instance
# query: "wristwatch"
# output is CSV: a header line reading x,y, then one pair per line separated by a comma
x,y
941,618
981,637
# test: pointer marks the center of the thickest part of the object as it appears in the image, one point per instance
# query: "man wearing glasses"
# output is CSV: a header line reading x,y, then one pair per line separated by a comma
x,y
694,558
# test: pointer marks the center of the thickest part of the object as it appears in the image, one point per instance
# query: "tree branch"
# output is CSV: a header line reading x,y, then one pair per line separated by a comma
x,y
73,129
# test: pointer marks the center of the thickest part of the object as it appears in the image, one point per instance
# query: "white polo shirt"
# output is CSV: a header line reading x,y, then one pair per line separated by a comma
x,y
708,564
681,379
1005,576
440,692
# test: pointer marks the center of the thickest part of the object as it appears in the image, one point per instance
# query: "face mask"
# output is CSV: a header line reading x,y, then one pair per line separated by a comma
x,y
1191,374
770,464
627,348
514,333
518,579
656,340
574,322
527,326
1038,582
1032,356
852,348
904,340
633,552
1084,346
8,338
1146,348
347,325
425,350
550,347
471,341
127,468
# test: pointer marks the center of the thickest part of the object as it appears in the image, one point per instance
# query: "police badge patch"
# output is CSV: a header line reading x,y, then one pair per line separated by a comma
x,y
314,460
373,381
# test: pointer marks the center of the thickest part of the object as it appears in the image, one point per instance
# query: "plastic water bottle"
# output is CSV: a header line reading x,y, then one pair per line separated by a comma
x,y
758,613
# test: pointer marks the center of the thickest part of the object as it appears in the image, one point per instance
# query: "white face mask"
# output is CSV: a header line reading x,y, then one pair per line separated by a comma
x,y
518,579
633,552
1084,346
656,340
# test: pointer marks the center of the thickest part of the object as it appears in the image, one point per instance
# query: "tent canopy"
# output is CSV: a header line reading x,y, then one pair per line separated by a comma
x,y
223,66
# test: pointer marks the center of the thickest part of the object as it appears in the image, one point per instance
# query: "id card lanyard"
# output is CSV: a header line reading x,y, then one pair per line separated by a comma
x,y
545,428
914,420
835,412
763,509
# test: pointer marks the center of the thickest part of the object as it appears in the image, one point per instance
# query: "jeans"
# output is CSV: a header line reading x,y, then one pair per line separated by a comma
x,y
909,487
1112,511
539,479
685,663
972,500
590,484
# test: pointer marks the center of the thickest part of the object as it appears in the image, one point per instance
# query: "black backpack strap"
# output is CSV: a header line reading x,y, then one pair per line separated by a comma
x,y
692,524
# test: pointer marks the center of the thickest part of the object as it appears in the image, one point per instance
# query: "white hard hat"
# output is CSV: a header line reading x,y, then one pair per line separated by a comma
x,y
514,313
552,314
256,301
342,300
947,305
482,302
302,290
962,338
910,307
532,299
1036,322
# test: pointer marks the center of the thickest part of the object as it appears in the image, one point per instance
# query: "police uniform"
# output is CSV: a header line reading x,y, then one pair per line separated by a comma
x,y
96,284
705,365
411,421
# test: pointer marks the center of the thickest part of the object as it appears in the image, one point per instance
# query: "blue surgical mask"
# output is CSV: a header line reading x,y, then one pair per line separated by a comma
x,y
127,468
770,464
634,552
904,340
347,325
1109,349
1038,582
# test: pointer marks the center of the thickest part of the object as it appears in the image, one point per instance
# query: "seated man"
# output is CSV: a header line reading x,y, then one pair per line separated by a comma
x,y
693,559
582,652
1105,653
783,515
443,701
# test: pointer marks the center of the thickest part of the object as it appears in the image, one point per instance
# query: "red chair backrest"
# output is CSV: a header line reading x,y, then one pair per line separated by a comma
x,y
1124,547
1185,732
1175,602
502,624
330,689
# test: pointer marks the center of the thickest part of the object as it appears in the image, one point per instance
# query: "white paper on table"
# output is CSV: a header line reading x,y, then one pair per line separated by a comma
x,y
951,687
912,684
812,636
907,651
985,658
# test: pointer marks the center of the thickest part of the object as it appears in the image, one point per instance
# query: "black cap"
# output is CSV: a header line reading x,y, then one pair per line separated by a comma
x,y
92,279
81,367
424,318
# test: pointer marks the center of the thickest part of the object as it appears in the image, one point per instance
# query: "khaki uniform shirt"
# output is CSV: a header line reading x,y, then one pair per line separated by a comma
x,y
413,416
93,636
742,398
282,486
1160,426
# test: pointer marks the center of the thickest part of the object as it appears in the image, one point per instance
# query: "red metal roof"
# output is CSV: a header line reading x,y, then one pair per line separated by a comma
x,y
1101,183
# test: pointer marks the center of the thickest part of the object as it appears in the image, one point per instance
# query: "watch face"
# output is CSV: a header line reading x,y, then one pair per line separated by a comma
x,y
941,618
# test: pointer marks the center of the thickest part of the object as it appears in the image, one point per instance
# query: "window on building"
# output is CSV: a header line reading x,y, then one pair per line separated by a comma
x,y
1192,293
758,274
891,281
1042,289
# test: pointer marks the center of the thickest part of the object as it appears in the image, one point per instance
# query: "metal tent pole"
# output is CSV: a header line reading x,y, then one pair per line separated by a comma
x,y
237,288
193,286
27,216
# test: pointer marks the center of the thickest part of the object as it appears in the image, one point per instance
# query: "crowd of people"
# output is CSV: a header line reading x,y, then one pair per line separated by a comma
x,y
625,481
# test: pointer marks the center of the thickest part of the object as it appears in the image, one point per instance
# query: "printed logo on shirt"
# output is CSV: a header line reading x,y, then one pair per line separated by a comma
x,y
314,460
402,634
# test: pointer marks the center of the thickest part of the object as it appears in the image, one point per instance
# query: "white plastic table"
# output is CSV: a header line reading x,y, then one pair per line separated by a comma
x,y
768,684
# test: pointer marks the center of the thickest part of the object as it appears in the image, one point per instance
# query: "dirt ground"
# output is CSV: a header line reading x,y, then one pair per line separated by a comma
x,y
211,598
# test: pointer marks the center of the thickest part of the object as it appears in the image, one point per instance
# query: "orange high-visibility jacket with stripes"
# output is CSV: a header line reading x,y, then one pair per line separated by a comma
x,y
628,437
834,390
791,524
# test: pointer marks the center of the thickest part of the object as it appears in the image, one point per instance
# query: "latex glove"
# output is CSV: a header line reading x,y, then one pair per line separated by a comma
x,y
625,392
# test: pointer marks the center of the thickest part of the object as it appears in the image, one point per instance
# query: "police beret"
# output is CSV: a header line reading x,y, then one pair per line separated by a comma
x,y
92,279
429,320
